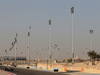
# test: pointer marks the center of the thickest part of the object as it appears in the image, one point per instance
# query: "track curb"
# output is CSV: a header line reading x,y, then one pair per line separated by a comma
x,y
9,73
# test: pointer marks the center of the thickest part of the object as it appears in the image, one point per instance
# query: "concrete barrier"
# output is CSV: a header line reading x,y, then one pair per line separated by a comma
x,y
40,67
23,65
28,67
82,69
65,69
47,68
36,67
56,69
31,66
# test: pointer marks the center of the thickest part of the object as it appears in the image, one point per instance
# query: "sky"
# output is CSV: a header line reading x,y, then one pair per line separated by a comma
x,y
17,15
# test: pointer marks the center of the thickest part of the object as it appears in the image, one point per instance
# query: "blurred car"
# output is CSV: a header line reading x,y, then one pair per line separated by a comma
x,y
9,69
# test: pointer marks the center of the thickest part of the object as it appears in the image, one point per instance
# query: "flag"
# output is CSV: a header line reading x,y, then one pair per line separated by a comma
x,y
49,22
72,10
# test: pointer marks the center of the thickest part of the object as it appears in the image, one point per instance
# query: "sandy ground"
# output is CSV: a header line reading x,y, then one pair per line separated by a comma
x,y
84,67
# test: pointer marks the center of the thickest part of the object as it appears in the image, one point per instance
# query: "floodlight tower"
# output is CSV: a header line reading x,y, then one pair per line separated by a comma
x,y
15,47
6,56
50,50
91,39
72,12
29,45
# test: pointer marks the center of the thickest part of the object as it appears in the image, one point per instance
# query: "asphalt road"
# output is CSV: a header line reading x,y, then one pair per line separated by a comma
x,y
19,71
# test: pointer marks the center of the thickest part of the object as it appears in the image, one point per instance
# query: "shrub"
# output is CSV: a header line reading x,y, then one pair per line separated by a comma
x,y
69,60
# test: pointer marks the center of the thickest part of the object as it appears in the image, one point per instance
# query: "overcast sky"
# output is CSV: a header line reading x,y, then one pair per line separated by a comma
x,y
17,15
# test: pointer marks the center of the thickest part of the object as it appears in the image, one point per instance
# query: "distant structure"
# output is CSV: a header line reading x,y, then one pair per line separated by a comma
x,y
12,58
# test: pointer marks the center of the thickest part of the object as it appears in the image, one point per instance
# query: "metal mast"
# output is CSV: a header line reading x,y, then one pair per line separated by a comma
x,y
29,45
72,12
91,39
50,50
15,47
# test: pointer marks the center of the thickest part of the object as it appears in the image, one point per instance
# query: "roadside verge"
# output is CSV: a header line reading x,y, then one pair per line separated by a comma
x,y
2,72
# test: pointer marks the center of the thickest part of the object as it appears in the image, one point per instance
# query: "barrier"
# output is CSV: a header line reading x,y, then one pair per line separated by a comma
x,y
31,66
64,66
28,67
65,69
47,68
56,69
35,66
23,65
18,66
82,69
40,67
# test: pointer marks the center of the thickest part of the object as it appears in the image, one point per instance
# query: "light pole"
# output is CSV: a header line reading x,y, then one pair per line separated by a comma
x,y
55,45
91,39
13,44
9,56
58,53
72,12
42,54
6,57
15,47
29,45
50,50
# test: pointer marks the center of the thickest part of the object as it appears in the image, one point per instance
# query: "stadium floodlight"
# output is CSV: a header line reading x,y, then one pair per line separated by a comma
x,y
15,48
28,46
91,39
50,50
72,12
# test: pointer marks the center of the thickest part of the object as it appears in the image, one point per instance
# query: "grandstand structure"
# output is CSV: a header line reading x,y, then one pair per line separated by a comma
x,y
12,58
